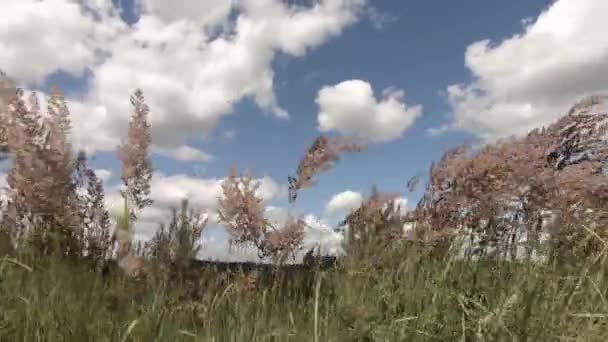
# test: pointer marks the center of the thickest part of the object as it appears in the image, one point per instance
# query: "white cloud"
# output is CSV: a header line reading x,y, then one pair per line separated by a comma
x,y
535,76
3,188
269,189
39,37
219,248
230,134
276,215
207,13
351,108
3,193
343,202
103,174
378,18
402,203
320,233
185,153
192,59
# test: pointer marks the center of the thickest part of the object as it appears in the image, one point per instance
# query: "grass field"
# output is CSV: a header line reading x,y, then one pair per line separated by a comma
x,y
414,297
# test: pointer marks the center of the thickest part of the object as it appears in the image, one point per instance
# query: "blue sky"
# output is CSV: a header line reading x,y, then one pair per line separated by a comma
x,y
427,53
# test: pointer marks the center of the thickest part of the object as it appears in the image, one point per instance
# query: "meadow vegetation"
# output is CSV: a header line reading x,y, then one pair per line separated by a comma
x,y
68,271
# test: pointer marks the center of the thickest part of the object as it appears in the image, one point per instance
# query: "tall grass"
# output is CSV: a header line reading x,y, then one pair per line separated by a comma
x,y
422,298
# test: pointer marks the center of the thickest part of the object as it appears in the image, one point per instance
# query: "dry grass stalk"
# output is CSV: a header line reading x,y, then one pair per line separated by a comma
x,y
55,201
242,213
378,220
7,94
505,186
285,241
241,210
319,157
94,216
42,192
136,176
131,264
133,155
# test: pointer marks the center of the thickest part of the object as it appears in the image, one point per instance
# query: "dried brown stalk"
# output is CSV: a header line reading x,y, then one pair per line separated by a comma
x,y
133,155
321,156
242,213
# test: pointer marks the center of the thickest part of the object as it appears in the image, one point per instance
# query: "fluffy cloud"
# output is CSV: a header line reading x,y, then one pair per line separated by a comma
x,y
320,233
229,134
343,202
402,203
185,153
38,38
276,215
104,175
219,248
380,19
348,200
269,189
193,60
536,75
207,13
351,108
3,193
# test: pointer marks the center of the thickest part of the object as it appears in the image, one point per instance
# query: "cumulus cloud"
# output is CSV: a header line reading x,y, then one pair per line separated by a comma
x,y
3,187
185,153
320,233
535,76
193,59
269,189
401,202
348,200
343,202
207,13
219,248
276,215
38,38
103,174
378,18
229,134
351,108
